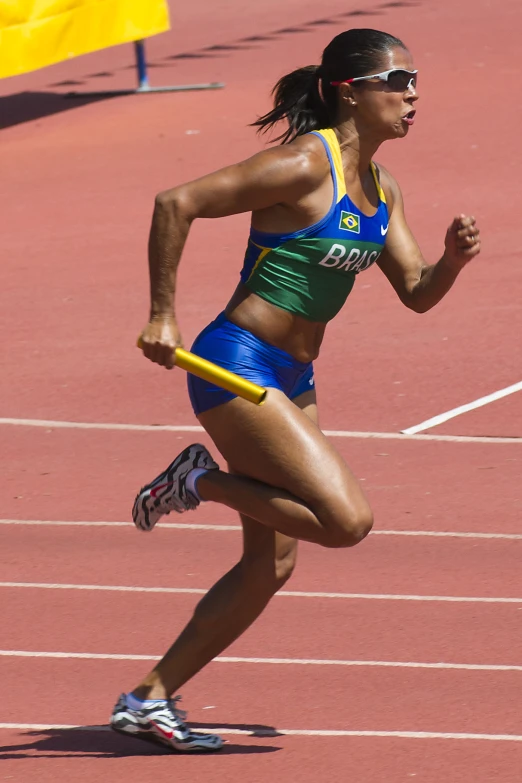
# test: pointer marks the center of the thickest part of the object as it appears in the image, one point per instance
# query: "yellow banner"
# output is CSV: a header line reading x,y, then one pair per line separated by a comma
x,y
36,33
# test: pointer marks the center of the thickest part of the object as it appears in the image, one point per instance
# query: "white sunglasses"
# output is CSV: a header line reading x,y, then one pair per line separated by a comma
x,y
397,79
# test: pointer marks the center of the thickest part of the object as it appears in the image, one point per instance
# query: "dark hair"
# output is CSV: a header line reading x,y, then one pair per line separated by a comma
x,y
304,104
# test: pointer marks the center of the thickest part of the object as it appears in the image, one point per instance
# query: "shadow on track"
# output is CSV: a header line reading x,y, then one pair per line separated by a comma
x,y
100,742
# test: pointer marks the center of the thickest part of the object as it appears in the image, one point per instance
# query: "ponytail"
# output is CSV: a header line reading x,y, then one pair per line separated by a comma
x,y
308,106
297,100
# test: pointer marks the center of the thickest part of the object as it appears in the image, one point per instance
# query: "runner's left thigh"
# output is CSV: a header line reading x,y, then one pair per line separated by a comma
x,y
279,444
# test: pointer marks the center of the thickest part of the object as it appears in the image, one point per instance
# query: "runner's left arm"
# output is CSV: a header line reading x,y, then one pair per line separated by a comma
x,y
420,286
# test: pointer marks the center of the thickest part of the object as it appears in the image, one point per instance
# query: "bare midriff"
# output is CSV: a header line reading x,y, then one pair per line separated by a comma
x,y
292,333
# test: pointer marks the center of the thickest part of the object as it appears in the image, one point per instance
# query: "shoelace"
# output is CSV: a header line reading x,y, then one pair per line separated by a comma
x,y
178,713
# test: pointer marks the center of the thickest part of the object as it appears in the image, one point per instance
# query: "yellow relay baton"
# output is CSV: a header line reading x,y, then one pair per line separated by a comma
x,y
211,372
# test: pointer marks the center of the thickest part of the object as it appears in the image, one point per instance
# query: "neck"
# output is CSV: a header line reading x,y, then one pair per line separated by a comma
x,y
357,149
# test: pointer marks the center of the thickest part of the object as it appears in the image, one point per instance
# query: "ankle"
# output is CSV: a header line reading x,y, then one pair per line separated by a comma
x,y
145,692
192,480
209,485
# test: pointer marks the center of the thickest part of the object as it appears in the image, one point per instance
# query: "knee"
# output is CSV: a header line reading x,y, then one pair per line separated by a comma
x,y
350,529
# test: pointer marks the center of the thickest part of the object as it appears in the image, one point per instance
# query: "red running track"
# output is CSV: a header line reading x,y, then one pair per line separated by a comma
x,y
412,485
299,627
487,568
86,174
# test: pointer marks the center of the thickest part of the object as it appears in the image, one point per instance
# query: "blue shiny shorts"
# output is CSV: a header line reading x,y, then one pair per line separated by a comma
x,y
239,351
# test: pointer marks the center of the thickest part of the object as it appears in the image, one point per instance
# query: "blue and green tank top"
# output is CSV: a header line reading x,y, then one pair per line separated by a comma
x,y
312,271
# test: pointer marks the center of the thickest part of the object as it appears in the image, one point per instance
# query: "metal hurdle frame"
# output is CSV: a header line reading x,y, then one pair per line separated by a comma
x,y
143,81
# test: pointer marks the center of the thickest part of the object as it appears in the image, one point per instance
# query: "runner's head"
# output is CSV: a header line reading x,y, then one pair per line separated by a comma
x,y
322,96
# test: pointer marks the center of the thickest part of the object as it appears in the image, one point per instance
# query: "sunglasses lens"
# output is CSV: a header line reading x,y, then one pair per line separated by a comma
x,y
399,80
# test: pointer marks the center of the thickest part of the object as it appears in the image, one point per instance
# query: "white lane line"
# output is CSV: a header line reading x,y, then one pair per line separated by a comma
x,y
87,425
66,523
447,534
273,661
221,528
404,435
281,593
268,732
470,406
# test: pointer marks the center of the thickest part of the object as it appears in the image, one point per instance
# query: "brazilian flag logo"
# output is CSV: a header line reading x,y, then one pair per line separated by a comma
x,y
350,222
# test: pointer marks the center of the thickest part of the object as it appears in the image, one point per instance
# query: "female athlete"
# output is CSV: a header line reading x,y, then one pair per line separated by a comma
x,y
322,213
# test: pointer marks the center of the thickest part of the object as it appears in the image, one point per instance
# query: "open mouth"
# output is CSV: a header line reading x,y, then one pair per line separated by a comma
x,y
410,117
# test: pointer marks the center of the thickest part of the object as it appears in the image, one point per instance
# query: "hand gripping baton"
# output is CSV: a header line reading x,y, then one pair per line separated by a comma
x,y
211,372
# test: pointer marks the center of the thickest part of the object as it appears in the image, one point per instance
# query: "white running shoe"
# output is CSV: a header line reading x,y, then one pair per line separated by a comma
x,y
162,724
168,491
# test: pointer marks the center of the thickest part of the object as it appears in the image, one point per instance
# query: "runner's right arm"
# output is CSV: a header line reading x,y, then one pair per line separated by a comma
x,y
281,175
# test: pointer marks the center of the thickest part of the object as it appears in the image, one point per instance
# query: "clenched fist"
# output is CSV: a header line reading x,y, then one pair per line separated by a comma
x,y
462,241
159,340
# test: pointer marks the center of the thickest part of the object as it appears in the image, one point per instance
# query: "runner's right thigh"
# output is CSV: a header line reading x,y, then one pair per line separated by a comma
x,y
278,444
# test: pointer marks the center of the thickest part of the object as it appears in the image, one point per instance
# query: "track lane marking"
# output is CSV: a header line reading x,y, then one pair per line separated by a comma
x,y
470,406
224,528
273,661
281,593
404,436
262,732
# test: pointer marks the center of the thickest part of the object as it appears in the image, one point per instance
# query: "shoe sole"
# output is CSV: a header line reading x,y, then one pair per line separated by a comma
x,y
155,739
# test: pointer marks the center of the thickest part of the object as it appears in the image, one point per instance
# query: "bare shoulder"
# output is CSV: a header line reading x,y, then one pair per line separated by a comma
x,y
304,160
284,174
311,147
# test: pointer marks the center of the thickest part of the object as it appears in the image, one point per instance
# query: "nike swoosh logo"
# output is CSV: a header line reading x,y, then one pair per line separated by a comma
x,y
384,231
154,492
166,734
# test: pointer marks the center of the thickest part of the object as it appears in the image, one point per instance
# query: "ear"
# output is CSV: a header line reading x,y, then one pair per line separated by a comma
x,y
347,95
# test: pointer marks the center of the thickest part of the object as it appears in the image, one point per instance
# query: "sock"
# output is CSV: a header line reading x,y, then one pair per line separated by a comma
x,y
192,477
133,703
